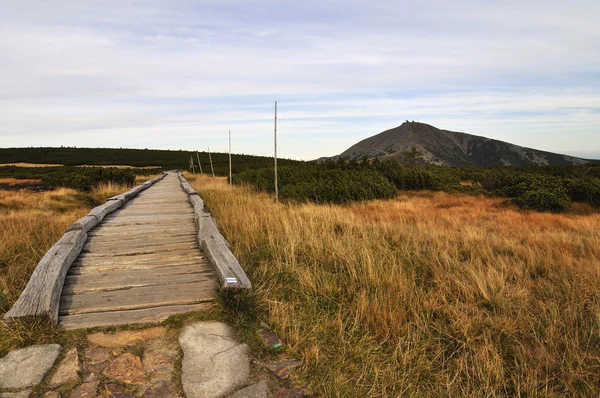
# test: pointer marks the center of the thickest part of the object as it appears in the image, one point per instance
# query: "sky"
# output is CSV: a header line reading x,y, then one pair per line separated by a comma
x,y
179,74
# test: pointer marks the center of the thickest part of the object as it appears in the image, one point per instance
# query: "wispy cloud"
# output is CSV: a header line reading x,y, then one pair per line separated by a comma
x,y
178,75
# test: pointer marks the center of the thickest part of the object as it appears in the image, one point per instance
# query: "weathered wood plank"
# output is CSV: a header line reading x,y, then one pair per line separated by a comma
x,y
146,219
192,254
202,263
136,251
171,222
126,279
137,240
143,230
116,318
137,298
42,293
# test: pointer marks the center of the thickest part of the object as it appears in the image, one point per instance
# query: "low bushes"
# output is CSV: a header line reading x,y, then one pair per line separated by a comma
x,y
85,178
535,188
541,194
322,183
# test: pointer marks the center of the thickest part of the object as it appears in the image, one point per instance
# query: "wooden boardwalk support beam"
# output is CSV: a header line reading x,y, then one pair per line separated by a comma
x,y
214,244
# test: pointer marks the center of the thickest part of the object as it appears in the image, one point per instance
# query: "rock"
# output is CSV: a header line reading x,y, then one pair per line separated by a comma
x,y
295,392
20,394
114,390
28,366
281,368
90,377
86,390
96,355
126,337
159,359
126,368
258,390
68,370
97,369
52,394
269,338
162,389
214,364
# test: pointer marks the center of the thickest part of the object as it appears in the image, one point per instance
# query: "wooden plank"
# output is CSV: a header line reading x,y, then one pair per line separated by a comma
x,y
158,210
137,298
144,219
126,279
95,268
149,222
116,318
98,275
41,295
94,246
127,239
143,230
86,259
137,265
136,251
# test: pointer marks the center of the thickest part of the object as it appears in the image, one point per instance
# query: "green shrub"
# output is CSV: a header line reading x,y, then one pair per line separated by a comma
x,y
322,183
418,177
584,190
541,194
85,178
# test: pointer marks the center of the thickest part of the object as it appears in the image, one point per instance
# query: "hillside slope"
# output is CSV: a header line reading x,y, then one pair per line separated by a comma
x,y
443,147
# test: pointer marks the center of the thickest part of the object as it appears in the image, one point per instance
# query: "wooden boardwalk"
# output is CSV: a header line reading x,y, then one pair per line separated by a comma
x,y
141,263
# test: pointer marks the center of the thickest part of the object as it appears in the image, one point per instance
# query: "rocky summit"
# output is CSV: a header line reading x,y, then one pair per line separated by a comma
x,y
449,148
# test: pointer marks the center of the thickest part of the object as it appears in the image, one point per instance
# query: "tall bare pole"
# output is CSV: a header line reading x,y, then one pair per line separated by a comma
x,y
192,163
230,180
199,165
211,165
275,157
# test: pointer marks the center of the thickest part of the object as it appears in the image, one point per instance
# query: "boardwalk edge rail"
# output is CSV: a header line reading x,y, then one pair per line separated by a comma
x,y
41,296
210,239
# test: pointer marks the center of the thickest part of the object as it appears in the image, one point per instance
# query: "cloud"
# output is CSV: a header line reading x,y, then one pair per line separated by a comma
x,y
164,74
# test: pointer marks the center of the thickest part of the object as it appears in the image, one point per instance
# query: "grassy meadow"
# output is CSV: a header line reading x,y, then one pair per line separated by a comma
x,y
427,294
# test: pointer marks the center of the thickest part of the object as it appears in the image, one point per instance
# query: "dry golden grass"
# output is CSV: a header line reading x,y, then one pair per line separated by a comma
x,y
13,181
23,164
431,294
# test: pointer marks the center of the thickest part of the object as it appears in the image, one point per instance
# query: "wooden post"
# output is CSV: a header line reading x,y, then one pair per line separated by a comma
x,y
230,179
199,165
275,157
211,165
192,163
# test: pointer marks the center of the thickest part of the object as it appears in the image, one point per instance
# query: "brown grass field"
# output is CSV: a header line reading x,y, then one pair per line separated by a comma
x,y
431,294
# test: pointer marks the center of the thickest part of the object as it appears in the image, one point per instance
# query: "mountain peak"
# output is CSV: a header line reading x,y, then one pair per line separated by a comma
x,y
450,148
